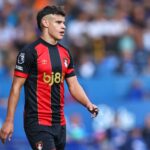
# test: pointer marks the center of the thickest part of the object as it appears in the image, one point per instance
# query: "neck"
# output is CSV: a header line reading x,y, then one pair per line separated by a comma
x,y
48,39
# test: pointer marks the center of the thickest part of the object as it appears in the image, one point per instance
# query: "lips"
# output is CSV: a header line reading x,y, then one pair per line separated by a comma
x,y
62,32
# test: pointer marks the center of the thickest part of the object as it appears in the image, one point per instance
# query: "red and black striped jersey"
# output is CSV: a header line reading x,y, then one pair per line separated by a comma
x,y
45,67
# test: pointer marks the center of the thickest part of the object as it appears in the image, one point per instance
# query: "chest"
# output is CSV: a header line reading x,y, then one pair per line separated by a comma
x,y
52,60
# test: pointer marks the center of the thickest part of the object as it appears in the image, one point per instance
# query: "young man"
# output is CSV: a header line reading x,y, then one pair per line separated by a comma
x,y
42,68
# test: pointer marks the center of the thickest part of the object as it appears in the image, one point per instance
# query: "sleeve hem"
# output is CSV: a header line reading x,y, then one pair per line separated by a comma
x,y
70,75
20,74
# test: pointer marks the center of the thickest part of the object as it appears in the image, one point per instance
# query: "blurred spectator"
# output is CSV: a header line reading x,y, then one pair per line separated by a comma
x,y
126,46
140,59
76,29
109,63
87,67
135,141
77,131
38,4
127,66
10,14
7,35
126,43
88,6
102,141
146,70
116,134
136,91
146,36
146,130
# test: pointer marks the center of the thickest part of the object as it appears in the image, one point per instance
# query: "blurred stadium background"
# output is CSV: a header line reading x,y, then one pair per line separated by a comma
x,y
110,44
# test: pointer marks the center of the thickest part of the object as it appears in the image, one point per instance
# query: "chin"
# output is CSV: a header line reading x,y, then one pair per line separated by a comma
x,y
59,38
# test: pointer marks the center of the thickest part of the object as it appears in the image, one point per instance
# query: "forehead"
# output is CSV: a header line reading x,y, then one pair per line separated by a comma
x,y
56,17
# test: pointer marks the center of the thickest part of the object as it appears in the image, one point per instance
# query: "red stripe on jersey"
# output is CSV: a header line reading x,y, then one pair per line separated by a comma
x,y
70,70
43,89
62,121
20,74
62,55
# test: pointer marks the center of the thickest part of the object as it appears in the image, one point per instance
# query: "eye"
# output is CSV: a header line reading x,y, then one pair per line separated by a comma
x,y
59,22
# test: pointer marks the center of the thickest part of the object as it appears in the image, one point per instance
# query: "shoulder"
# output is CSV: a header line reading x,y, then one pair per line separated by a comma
x,y
63,47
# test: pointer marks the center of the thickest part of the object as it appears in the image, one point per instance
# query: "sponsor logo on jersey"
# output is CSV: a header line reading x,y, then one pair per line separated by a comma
x,y
53,78
21,58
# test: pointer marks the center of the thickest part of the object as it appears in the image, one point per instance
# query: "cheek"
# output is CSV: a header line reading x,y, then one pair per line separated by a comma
x,y
52,29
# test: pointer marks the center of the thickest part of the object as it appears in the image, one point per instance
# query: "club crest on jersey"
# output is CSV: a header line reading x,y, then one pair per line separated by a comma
x,y
65,62
39,145
21,58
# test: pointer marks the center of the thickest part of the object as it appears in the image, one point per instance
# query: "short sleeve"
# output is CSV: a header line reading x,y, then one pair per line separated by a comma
x,y
23,63
70,70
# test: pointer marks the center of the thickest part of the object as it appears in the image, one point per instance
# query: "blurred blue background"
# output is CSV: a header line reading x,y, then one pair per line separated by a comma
x,y
110,43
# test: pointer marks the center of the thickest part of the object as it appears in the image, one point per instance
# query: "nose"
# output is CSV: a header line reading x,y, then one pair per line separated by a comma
x,y
63,26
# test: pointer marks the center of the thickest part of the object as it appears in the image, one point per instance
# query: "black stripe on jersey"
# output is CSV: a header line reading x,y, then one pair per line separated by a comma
x,y
55,89
30,88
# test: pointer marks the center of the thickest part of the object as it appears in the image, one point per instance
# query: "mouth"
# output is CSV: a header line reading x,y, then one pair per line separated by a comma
x,y
62,32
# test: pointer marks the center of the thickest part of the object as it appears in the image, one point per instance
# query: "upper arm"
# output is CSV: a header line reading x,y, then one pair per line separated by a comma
x,y
18,82
72,81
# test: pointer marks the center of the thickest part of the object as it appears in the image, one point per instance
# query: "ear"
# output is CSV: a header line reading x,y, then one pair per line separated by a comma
x,y
44,22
